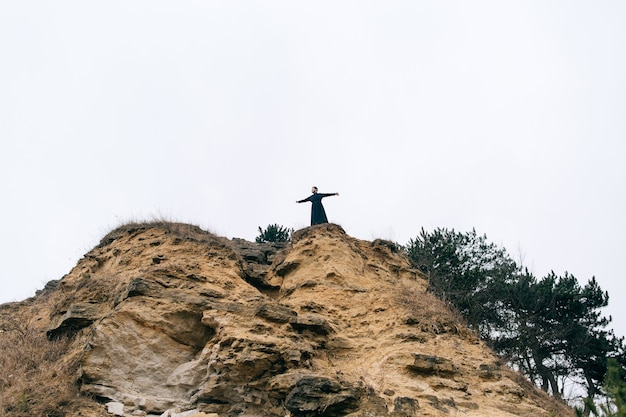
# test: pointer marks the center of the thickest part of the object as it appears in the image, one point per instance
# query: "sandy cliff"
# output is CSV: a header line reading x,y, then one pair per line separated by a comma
x,y
165,319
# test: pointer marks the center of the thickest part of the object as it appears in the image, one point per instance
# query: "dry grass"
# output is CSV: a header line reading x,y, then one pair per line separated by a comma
x,y
552,404
35,379
428,313
182,230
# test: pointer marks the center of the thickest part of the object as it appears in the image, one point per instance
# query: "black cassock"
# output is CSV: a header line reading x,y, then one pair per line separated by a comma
x,y
318,215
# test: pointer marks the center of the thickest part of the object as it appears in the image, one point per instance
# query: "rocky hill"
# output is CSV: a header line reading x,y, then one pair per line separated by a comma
x,y
164,319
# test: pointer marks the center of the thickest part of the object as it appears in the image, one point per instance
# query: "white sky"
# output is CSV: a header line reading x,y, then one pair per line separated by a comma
x,y
509,117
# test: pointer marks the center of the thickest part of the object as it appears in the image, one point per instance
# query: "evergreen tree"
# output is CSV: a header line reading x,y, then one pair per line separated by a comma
x,y
466,271
550,329
615,387
614,391
274,233
556,331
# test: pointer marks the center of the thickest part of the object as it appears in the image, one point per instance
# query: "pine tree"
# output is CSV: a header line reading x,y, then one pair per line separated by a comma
x,y
274,233
615,387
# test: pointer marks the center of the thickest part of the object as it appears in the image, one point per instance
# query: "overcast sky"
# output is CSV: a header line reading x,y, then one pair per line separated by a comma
x,y
504,116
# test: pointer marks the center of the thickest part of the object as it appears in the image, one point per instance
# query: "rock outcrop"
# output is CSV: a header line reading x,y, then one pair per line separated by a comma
x,y
168,320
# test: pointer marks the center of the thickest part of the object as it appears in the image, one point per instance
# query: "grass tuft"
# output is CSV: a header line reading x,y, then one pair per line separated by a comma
x,y
429,314
35,380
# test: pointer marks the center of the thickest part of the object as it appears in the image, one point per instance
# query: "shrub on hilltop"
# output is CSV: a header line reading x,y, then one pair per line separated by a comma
x,y
274,233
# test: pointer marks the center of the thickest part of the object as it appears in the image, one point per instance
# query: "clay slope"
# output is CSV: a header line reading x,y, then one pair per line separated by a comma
x,y
165,319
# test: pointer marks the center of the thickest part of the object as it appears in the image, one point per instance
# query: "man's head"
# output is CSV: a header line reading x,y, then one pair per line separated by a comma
x,y
314,189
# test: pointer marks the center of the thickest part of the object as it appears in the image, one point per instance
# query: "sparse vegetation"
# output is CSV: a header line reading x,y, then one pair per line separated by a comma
x,y
428,313
35,379
182,230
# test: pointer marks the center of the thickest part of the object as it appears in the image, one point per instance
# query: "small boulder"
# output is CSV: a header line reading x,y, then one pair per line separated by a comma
x,y
432,365
321,396
115,408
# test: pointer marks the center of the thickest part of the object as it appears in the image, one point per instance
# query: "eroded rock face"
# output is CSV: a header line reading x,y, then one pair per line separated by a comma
x,y
176,320
322,396
137,355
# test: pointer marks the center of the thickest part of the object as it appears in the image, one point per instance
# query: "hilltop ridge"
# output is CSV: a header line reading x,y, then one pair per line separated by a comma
x,y
165,319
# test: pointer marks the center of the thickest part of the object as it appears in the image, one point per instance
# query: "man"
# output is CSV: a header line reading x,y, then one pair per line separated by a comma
x,y
318,214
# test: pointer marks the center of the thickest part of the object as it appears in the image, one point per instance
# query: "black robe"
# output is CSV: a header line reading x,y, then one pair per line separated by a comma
x,y
318,215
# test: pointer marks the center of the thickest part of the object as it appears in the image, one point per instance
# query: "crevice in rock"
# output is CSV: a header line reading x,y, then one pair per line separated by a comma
x,y
257,259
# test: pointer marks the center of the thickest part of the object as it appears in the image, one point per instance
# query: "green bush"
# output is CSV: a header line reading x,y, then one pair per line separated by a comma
x,y
274,233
